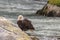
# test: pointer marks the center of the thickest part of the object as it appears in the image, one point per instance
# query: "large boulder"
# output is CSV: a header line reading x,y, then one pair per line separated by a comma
x,y
50,10
10,31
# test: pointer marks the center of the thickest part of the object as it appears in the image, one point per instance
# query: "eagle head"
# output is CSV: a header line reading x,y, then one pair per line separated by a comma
x,y
20,17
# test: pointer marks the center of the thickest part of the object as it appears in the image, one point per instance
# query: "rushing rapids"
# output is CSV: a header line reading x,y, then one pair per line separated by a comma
x,y
21,5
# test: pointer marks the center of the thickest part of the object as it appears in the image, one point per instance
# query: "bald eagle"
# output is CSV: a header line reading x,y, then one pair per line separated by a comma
x,y
24,23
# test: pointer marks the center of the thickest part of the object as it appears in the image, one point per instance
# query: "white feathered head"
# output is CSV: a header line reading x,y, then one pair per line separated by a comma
x,y
20,17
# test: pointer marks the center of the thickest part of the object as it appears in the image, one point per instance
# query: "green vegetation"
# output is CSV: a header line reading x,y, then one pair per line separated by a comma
x,y
54,2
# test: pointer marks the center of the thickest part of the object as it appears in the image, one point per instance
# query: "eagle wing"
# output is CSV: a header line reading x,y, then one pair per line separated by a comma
x,y
28,24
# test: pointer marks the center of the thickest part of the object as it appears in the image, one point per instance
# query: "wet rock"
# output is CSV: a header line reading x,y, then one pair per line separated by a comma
x,y
39,12
10,31
51,14
50,10
34,38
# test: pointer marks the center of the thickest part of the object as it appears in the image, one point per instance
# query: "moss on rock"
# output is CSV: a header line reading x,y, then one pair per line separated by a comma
x,y
54,2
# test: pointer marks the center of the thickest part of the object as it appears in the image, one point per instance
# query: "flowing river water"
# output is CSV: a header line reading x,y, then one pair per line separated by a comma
x,y
46,28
